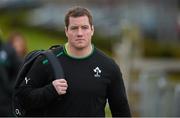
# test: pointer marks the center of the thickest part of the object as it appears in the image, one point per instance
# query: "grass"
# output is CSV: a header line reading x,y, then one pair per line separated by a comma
x,y
38,40
107,111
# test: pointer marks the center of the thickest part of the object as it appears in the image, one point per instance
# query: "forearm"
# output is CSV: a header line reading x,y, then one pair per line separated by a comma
x,y
117,97
120,109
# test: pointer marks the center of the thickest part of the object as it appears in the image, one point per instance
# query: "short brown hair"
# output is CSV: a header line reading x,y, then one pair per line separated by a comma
x,y
77,12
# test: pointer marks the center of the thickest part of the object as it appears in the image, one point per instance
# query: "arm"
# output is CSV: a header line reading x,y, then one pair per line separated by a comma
x,y
37,90
117,95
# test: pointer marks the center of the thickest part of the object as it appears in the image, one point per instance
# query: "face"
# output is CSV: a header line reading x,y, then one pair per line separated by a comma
x,y
79,32
19,45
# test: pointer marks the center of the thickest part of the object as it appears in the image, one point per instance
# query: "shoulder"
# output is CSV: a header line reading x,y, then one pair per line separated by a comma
x,y
9,49
104,57
106,60
57,49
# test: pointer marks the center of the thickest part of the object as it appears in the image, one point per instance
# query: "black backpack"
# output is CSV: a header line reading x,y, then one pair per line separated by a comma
x,y
18,109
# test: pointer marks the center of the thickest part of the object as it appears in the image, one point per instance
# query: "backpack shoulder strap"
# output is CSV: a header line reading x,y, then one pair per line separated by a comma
x,y
55,63
55,47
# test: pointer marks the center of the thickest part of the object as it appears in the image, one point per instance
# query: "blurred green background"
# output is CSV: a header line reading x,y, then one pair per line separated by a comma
x,y
143,36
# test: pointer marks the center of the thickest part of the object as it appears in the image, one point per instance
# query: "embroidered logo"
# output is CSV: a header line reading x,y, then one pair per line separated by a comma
x,y
97,72
26,80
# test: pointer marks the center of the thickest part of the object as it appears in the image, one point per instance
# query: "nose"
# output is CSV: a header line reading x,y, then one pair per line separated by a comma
x,y
79,33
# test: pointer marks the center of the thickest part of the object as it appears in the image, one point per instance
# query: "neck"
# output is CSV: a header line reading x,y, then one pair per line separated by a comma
x,y
79,53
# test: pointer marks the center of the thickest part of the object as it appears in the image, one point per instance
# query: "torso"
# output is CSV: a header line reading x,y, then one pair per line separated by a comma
x,y
88,80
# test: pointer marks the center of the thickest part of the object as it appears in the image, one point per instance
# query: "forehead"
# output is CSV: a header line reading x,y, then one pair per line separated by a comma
x,y
82,20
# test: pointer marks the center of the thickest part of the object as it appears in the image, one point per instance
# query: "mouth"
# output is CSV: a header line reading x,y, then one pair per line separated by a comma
x,y
79,40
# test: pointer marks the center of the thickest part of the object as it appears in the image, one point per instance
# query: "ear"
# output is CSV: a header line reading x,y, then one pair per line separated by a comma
x,y
66,30
92,28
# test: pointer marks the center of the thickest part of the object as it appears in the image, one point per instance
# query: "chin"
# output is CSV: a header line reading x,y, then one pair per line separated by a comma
x,y
80,46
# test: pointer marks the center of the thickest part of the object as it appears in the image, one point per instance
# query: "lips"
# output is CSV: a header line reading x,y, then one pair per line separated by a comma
x,y
79,39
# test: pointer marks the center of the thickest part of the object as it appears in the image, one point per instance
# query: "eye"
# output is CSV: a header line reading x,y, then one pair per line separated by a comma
x,y
85,27
74,28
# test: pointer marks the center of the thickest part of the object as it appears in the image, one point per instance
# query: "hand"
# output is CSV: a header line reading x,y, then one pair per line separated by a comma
x,y
60,85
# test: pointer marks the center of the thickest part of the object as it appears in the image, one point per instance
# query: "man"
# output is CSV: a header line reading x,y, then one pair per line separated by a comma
x,y
90,76
9,65
18,42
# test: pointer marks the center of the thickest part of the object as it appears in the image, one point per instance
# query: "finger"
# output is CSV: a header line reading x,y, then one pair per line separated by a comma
x,y
63,84
63,89
62,92
66,86
62,80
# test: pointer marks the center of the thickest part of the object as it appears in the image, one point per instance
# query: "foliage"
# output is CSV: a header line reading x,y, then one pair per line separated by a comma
x,y
155,49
